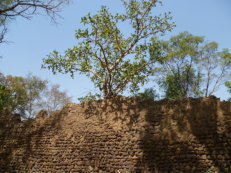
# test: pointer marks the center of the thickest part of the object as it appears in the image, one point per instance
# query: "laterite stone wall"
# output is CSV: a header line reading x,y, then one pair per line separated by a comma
x,y
120,135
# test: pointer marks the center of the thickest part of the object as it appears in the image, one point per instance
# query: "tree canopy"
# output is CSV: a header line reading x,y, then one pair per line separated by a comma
x,y
149,93
114,61
28,95
22,93
4,97
191,66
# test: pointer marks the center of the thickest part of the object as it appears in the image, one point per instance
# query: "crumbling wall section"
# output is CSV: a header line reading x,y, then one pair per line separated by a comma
x,y
121,134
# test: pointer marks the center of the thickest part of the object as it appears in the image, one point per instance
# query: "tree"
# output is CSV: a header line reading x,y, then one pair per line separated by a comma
x,y
54,99
216,66
228,85
34,87
4,94
17,94
113,60
192,67
28,95
148,93
23,94
4,97
173,89
179,76
10,9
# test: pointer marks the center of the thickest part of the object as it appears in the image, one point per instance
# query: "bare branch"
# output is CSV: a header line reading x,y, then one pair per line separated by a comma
x,y
91,71
216,85
2,34
26,9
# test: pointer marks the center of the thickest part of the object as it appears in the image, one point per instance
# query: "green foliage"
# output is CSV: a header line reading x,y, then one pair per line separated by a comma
x,y
28,95
179,77
34,87
25,170
209,171
17,97
228,85
148,93
191,67
89,97
223,170
4,4
171,87
114,61
23,93
181,85
4,97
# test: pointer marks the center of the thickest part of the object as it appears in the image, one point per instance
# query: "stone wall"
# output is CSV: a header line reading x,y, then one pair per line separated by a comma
x,y
120,135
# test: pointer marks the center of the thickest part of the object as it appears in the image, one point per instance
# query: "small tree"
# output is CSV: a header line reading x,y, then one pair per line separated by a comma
x,y
111,60
34,87
54,99
148,93
173,87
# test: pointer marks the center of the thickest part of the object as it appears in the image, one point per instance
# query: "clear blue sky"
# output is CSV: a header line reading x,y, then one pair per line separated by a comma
x,y
33,40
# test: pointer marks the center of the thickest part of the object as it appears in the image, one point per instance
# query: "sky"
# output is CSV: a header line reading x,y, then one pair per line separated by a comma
x,y
31,40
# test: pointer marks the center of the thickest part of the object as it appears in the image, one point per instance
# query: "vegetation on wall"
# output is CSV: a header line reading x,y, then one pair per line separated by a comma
x,y
148,93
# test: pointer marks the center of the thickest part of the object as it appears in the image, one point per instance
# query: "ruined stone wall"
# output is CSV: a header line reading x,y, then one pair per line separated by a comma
x,y
190,135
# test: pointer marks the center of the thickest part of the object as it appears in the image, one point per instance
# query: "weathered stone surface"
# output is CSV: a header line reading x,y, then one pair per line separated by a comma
x,y
122,134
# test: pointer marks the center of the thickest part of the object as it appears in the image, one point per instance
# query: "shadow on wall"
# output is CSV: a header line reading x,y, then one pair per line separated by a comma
x,y
185,135
188,135
120,111
16,138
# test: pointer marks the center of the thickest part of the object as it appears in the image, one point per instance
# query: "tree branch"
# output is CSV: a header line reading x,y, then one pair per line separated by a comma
x,y
91,71
217,81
